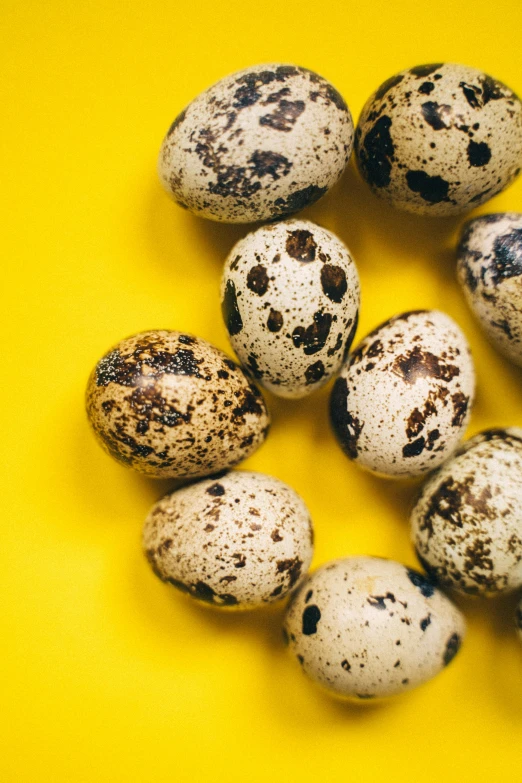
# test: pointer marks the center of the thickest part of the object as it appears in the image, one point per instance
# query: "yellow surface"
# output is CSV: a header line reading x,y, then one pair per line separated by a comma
x,y
107,674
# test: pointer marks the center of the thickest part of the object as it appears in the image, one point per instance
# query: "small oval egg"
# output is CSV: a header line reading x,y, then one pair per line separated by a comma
x,y
290,300
440,139
262,143
365,628
402,401
237,540
467,522
490,273
518,619
171,405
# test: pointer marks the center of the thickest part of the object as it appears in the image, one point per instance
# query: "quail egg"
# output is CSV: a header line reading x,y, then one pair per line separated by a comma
x,y
366,628
290,301
171,405
467,522
261,143
440,139
402,400
490,273
241,539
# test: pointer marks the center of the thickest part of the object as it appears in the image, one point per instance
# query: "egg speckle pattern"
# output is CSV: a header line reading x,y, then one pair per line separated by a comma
x,y
402,401
290,300
490,273
440,139
238,540
467,522
364,627
171,405
261,143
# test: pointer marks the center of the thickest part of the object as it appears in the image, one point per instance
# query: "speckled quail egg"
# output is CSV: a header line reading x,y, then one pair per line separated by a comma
x,y
241,539
290,301
518,619
402,401
440,139
365,628
467,522
261,143
490,273
171,405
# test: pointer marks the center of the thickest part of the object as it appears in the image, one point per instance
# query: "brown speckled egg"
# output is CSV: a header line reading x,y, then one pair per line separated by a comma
x,y
490,273
241,539
365,628
261,143
290,300
440,139
402,401
171,405
467,522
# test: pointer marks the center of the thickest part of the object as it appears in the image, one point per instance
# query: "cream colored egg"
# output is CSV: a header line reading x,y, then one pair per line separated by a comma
x,y
467,522
262,143
402,401
440,139
367,628
290,301
490,273
171,405
241,539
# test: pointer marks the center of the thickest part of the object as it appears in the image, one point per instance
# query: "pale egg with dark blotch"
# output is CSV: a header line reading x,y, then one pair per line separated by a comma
x,y
467,521
402,401
490,273
171,405
259,144
290,300
240,540
440,139
366,628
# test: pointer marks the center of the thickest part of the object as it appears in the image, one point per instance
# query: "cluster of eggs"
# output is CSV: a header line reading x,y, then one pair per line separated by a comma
x,y
260,145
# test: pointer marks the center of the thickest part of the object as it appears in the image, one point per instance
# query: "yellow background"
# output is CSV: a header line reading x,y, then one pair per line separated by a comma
x,y
107,674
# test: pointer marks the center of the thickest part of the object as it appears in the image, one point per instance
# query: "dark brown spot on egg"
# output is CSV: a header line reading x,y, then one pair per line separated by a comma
x,y
275,321
216,490
301,245
346,426
314,372
386,86
291,566
421,71
333,282
452,648
417,363
311,617
230,309
257,279
314,337
298,200
284,117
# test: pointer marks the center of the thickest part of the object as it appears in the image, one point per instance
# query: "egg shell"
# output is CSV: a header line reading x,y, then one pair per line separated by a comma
x,y
467,523
440,139
403,399
171,405
290,299
518,619
490,273
364,628
237,540
261,143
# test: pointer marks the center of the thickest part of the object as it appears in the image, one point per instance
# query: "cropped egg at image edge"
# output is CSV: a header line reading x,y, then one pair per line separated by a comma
x,y
263,392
